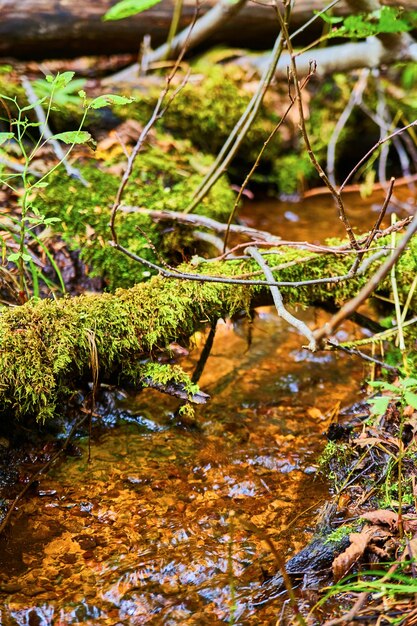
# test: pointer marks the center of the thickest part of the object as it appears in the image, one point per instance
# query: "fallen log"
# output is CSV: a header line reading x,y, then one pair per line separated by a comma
x,y
36,29
47,347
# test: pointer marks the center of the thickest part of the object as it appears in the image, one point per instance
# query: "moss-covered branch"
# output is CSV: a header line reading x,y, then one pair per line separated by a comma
x,y
46,345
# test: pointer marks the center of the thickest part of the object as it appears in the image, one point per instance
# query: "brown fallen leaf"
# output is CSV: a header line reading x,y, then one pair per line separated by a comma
x,y
358,543
382,516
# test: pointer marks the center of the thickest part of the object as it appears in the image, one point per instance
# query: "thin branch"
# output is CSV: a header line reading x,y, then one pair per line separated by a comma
x,y
336,194
238,133
157,113
374,229
17,167
362,355
262,237
202,220
279,304
202,29
256,164
372,150
206,278
354,100
352,305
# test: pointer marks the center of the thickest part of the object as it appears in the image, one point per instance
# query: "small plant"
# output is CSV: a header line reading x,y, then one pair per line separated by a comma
x,y
403,396
401,393
22,230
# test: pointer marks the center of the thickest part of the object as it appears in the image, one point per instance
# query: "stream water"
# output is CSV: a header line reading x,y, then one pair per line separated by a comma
x,y
167,524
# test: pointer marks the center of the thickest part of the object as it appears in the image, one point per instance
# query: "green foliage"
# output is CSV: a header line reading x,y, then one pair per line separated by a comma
x,y
165,374
409,76
207,109
342,531
131,325
402,392
388,584
291,171
384,20
62,93
126,8
23,184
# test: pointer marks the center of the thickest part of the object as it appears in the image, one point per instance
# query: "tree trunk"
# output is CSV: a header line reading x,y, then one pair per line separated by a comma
x,y
39,28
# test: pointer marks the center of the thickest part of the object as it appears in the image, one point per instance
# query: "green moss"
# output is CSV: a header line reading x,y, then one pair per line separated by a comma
x,y
343,531
206,111
291,171
163,178
165,374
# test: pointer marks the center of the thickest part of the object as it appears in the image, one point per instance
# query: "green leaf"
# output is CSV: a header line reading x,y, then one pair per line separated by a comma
x,y
5,137
62,93
75,136
15,256
409,382
381,384
329,19
107,99
379,405
40,185
62,80
126,8
411,399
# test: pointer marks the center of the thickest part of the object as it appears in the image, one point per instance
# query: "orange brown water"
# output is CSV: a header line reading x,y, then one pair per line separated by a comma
x,y
166,525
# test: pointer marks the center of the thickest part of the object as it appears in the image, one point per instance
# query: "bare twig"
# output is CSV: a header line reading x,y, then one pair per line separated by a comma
x,y
336,194
352,305
202,220
279,304
158,112
366,357
238,133
350,615
17,167
255,165
354,100
202,29
397,132
374,229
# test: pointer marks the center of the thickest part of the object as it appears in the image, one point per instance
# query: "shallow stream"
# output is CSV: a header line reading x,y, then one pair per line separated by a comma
x,y
167,524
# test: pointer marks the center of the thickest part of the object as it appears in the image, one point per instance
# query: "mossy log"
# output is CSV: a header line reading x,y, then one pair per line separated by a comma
x,y
46,346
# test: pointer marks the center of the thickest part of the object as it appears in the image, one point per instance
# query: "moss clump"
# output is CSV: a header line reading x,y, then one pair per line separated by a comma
x,y
343,531
206,111
291,171
163,178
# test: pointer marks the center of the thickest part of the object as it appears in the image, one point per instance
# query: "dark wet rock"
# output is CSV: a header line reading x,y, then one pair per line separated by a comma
x,y
313,562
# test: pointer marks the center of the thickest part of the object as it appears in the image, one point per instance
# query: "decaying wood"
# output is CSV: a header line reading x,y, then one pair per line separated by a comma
x,y
39,28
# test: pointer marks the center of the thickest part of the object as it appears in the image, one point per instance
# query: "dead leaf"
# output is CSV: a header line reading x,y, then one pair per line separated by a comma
x,y
410,524
358,543
382,516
